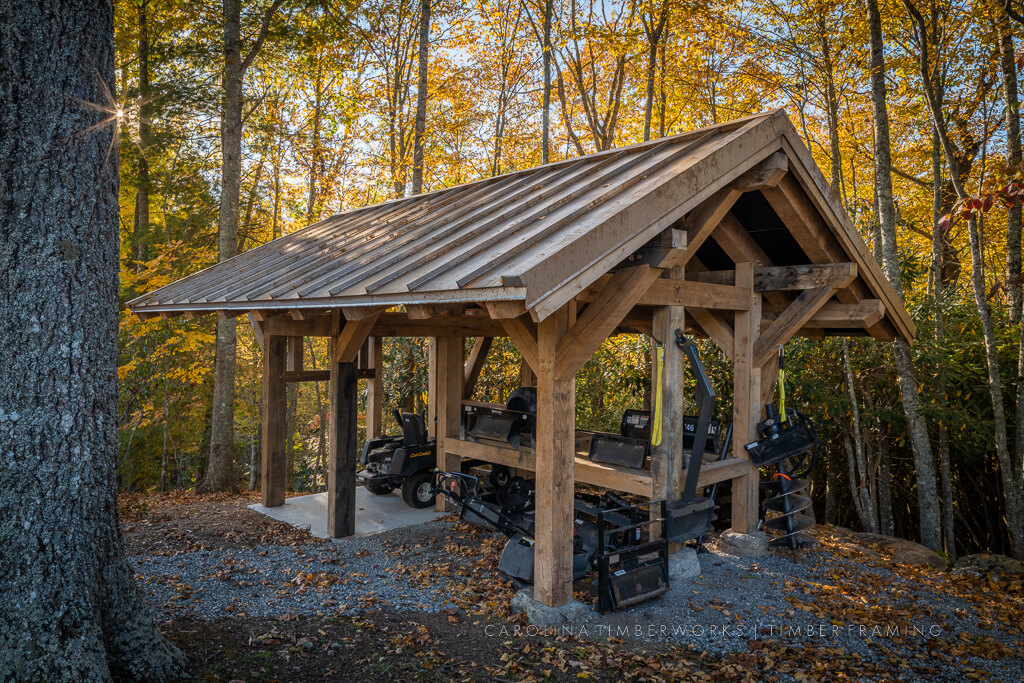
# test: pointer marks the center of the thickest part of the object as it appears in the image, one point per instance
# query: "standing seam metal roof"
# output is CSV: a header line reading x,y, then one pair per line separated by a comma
x,y
482,235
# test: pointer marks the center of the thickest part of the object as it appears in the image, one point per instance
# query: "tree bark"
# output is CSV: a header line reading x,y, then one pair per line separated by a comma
x,y
421,100
1008,69
948,519
545,138
220,468
654,27
831,108
141,229
860,484
71,611
924,462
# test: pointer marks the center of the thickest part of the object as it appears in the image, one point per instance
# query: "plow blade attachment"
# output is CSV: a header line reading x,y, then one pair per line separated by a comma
x,y
636,585
688,521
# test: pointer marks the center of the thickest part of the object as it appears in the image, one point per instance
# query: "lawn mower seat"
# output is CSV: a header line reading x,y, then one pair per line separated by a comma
x,y
414,433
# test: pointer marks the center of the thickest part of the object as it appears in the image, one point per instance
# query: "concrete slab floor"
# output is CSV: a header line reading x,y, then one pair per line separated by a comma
x,y
374,514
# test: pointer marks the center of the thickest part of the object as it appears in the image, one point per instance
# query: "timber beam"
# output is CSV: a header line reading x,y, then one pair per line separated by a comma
x,y
523,333
789,278
716,328
789,322
475,364
701,222
834,315
768,173
670,292
352,337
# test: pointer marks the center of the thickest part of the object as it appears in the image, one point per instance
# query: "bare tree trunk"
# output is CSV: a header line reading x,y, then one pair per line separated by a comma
x,y
71,611
862,489
654,27
855,491
1010,472
545,150
831,108
886,524
924,463
1008,69
421,100
831,489
945,480
662,94
315,144
220,469
141,231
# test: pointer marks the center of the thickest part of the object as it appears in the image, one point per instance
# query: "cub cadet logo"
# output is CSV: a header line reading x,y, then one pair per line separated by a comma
x,y
416,455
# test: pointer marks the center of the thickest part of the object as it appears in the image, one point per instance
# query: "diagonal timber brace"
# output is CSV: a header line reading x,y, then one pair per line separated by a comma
x,y
790,322
601,317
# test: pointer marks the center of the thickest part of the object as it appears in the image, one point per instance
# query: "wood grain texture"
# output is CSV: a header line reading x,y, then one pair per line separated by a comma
x,y
274,459
746,410
555,460
341,456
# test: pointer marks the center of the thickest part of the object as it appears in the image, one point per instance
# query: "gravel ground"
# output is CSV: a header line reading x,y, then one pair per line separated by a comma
x,y
356,575
846,609
740,604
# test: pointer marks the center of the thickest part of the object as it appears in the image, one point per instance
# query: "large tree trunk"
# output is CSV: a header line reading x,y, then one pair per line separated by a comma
x,y
924,463
220,468
421,99
71,611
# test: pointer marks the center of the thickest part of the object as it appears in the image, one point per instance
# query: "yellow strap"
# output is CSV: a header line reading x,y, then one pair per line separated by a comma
x,y
782,395
656,427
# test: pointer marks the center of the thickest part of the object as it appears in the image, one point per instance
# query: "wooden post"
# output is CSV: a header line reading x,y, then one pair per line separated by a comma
x,y
432,350
341,476
667,461
447,402
746,407
273,471
555,462
375,388
295,354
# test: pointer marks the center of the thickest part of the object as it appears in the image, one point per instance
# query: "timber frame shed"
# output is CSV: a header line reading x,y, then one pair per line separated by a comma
x,y
730,232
